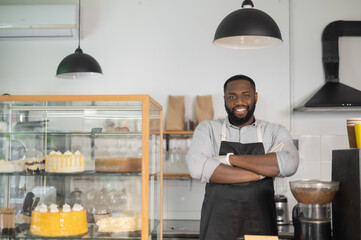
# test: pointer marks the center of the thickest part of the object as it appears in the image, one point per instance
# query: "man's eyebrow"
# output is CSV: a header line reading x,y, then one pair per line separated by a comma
x,y
236,93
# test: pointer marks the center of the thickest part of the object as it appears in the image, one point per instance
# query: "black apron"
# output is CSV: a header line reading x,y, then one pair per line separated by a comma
x,y
230,211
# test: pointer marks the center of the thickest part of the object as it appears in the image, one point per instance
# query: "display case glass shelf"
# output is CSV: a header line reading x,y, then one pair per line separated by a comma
x,y
175,149
102,152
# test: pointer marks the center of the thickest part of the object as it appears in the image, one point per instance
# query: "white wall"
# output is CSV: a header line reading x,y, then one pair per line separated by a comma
x,y
163,47
156,47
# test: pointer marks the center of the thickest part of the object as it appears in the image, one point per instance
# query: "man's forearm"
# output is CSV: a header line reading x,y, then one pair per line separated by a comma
x,y
226,174
265,165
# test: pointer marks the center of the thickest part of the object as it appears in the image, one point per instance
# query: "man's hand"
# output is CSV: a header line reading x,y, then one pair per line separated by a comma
x,y
227,175
224,159
265,165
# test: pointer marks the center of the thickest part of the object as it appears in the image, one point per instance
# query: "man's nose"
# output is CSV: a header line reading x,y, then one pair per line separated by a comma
x,y
239,100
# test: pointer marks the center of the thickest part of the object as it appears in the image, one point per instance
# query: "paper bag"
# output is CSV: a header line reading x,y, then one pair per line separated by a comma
x,y
204,108
175,114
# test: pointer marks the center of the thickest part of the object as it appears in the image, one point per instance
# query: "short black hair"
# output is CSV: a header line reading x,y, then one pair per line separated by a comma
x,y
239,77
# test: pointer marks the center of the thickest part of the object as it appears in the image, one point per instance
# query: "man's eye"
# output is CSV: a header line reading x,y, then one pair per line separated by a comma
x,y
231,97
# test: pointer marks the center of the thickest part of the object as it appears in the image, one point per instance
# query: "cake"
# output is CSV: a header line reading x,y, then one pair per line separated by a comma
x,y
118,165
12,166
126,222
19,165
7,221
34,161
54,222
68,162
36,165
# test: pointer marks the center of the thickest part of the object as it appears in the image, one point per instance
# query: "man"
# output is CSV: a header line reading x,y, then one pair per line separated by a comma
x,y
238,157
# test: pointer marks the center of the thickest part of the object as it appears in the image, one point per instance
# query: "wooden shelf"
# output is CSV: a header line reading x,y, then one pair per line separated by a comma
x,y
169,134
176,175
178,133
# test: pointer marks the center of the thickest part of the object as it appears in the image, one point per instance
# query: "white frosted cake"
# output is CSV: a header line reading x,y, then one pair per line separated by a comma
x,y
68,162
12,166
126,222
6,166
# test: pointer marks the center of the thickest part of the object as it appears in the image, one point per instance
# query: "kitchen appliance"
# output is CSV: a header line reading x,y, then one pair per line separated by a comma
x,y
282,210
334,94
346,207
312,215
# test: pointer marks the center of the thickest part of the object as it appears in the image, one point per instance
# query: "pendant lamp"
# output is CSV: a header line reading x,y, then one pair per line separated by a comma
x,y
247,28
78,65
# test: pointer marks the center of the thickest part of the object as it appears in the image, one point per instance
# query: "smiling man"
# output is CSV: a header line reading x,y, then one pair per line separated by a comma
x,y
238,157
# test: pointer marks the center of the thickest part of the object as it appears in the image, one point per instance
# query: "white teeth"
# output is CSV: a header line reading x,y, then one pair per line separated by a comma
x,y
240,110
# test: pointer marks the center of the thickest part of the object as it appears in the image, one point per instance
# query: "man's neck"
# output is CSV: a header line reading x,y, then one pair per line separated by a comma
x,y
249,122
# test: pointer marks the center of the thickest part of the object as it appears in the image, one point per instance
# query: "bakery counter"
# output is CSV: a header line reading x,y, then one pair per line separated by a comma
x,y
22,232
172,230
85,173
189,229
180,229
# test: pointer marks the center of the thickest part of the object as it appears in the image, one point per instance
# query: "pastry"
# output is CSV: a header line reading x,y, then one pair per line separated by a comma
x,y
54,222
34,161
7,221
118,164
65,163
12,166
35,165
126,222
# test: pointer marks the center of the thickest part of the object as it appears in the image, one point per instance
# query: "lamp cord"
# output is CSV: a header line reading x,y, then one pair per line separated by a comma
x,y
79,26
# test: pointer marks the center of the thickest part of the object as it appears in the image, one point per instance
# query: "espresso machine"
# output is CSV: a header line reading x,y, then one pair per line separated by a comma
x,y
312,215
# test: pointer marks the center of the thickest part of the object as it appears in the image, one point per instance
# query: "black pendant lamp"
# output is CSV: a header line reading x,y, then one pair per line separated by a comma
x,y
78,65
247,28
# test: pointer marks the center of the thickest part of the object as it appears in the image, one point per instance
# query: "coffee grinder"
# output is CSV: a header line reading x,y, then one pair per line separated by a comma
x,y
280,187
312,215
281,210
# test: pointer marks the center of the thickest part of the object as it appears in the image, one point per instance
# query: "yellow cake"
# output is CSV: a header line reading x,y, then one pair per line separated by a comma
x,y
54,222
65,163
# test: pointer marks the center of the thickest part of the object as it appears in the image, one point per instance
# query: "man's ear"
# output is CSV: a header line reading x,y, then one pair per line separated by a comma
x,y
256,97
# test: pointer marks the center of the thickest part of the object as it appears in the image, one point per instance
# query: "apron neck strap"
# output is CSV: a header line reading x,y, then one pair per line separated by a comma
x,y
224,131
259,133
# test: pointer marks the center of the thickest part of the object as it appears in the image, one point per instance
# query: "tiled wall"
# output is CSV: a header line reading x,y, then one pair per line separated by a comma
x,y
316,159
183,198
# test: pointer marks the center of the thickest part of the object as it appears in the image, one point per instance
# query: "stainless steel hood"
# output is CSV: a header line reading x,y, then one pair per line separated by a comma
x,y
334,96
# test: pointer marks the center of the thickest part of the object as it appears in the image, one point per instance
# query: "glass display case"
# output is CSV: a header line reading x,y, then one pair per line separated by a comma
x,y
81,167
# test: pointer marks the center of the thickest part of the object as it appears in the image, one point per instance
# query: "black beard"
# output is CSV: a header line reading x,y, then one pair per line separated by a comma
x,y
240,121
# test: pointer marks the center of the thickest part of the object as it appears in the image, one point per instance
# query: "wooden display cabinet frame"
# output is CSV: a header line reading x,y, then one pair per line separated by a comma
x,y
146,100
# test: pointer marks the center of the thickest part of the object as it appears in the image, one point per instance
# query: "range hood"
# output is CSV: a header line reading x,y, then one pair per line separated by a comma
x,y
334,96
